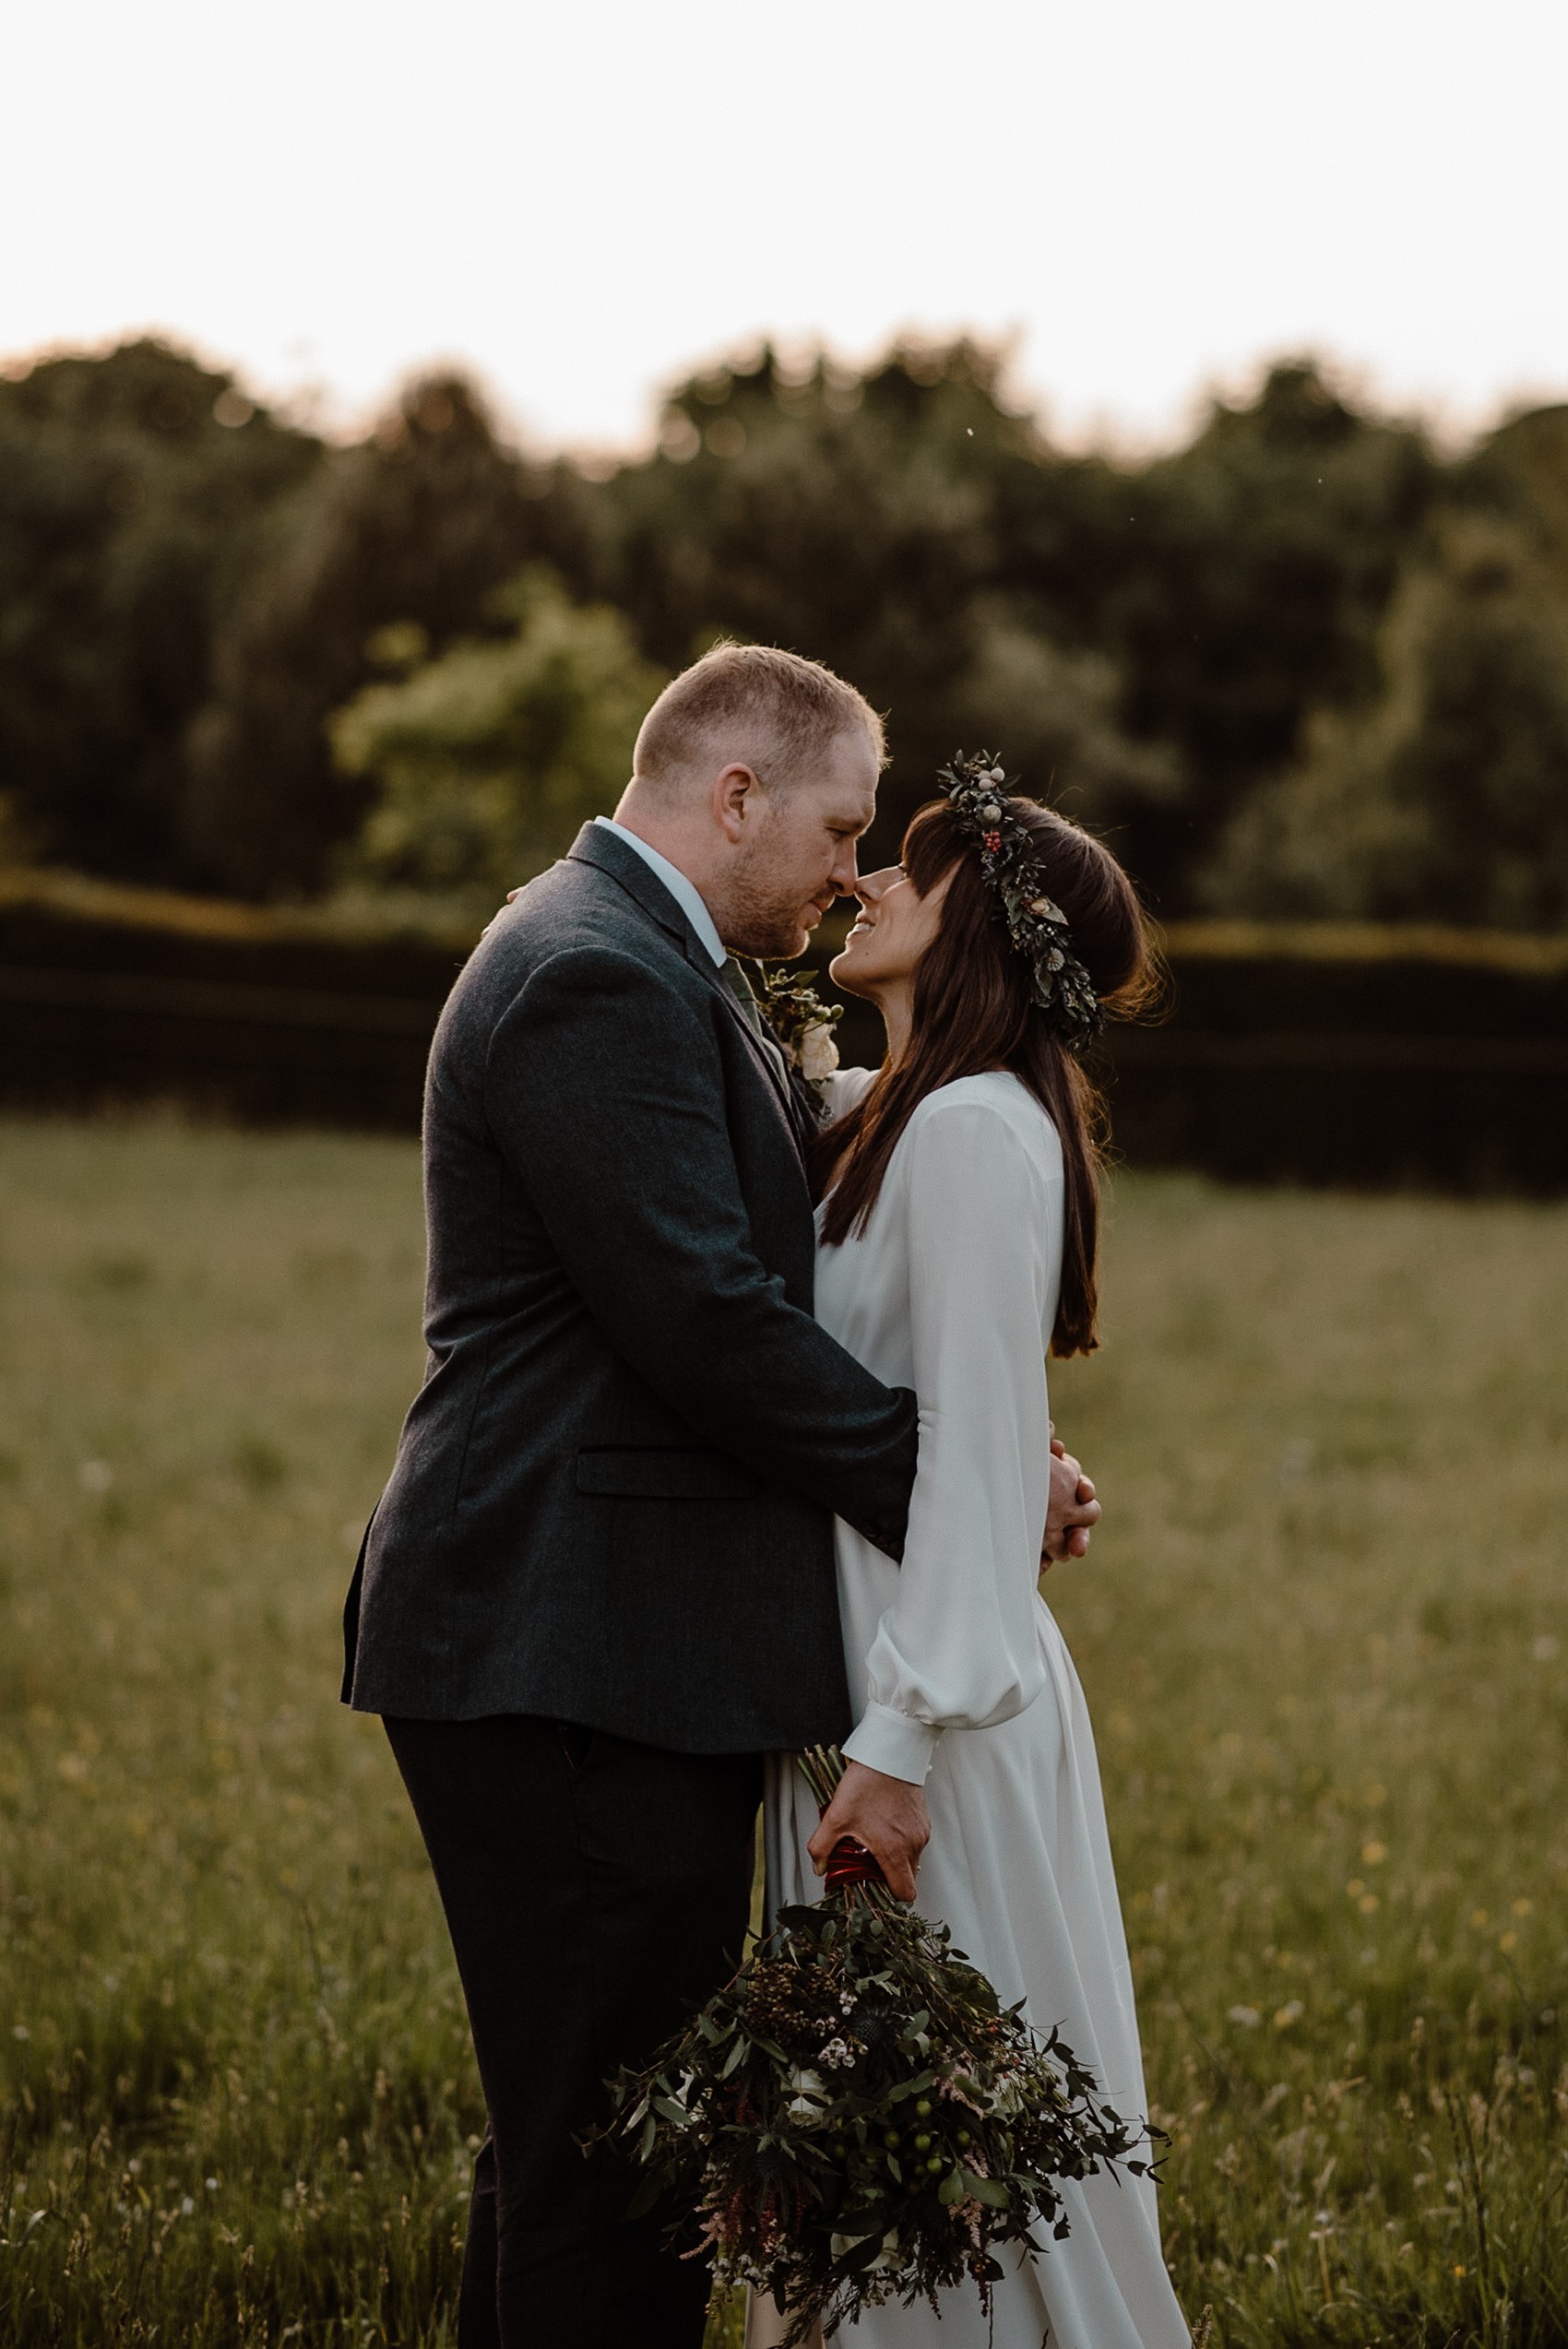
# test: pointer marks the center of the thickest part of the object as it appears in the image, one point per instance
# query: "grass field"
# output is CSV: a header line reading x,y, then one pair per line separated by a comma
x,y
1325,1632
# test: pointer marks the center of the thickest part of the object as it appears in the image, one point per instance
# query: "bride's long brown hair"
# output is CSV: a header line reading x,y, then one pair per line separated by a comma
x,y
973,1011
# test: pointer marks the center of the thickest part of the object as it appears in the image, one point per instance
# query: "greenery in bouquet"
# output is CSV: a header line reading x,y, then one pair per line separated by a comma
x,y
856,2119
800,1020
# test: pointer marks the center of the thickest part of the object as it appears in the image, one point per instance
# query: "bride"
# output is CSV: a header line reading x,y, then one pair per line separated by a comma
x,y
957,1238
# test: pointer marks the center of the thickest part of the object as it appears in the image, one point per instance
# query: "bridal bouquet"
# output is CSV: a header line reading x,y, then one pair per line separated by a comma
x,y
855,2117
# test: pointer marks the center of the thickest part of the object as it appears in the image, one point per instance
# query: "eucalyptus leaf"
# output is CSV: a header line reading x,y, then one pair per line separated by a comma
x,y
745,2113
644,2199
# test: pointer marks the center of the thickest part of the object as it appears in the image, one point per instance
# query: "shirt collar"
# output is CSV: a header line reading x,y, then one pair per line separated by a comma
x,y
686,894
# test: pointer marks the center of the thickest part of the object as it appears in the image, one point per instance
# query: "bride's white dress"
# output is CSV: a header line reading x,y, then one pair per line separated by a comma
x,y
957,1669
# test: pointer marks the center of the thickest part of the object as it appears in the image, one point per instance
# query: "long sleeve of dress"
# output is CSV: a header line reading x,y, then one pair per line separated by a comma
x,y
960,1647
843,1089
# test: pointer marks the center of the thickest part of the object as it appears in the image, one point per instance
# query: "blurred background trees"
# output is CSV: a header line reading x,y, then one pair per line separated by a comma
x,y
1442,793
418,526
1305,664
137,492
491,756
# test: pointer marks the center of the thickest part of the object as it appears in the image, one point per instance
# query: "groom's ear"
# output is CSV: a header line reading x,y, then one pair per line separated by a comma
x,y
732,791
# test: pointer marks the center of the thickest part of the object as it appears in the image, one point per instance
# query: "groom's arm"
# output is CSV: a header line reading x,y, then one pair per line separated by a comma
x,y
606,1093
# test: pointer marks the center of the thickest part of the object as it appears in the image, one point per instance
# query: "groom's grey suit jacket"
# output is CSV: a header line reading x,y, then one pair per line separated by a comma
x,y
612,1498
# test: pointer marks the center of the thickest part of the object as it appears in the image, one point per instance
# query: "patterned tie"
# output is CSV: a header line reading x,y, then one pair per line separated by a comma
x,y
739,986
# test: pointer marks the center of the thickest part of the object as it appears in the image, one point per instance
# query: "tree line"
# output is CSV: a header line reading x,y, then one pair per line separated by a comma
x,y
1306,665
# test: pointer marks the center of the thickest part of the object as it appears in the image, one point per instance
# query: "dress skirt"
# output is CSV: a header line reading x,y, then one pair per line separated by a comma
x,y
1019,1868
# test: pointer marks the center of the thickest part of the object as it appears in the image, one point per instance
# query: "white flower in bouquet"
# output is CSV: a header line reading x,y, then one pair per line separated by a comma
x,y
819,1053
807,2103
802,1023
866,2122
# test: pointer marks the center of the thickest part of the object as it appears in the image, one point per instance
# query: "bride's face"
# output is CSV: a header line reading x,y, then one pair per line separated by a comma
x,y
895,927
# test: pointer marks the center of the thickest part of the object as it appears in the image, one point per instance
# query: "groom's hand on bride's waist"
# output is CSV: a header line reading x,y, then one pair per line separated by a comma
x,y
1073,1511
887,1815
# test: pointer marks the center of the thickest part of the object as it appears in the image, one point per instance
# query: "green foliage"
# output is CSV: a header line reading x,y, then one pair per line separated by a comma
x,y
1142,641
1521,471
1267,551
419,525
135,492
903,525
1323,1632
1058,708
490,757
1444,795
1165,646
854,2120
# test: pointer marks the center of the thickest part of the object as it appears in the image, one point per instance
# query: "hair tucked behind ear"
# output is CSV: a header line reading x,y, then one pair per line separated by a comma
x,y
973,1011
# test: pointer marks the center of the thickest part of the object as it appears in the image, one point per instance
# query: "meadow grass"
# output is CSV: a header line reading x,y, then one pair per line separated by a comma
x,y
1324,1630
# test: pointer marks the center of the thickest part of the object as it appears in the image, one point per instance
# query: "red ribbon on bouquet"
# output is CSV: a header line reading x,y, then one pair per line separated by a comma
x,y
851,1867
850,1864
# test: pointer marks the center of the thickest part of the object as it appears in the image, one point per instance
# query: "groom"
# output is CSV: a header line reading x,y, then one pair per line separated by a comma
x,y
599,1584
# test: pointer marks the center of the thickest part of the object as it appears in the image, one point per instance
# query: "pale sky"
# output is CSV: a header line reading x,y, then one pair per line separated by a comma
x,y
580,200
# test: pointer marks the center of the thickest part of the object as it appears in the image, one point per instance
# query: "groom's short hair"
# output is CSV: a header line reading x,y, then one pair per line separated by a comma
x,y
772,710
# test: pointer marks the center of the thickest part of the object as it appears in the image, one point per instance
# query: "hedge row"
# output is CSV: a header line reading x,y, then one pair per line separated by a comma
x,y
1341,1054
1358,1055
112,996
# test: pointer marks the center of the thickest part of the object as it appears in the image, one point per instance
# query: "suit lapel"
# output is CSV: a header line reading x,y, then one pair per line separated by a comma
x,y
773,1065
598,847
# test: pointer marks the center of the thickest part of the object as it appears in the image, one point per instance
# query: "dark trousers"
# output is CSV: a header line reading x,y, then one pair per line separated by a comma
x,y
595,1890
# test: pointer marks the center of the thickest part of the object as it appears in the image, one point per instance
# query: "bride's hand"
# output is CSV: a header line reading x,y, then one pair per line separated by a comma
x,y
887,1815
512,896
1073,1510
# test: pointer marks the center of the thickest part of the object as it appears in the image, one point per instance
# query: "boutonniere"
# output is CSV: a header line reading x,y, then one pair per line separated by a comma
x,y
802,1023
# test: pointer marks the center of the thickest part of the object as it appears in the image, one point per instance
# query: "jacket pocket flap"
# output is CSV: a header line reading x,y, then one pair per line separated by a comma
x,y
661,1472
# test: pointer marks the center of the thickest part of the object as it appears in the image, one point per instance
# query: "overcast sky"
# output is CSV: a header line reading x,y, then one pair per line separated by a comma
x,y
580,199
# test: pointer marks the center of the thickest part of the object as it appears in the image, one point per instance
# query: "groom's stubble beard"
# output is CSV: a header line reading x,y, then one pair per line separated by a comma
x,y
766,910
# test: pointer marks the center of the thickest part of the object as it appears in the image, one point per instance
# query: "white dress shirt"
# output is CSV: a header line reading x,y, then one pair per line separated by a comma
x,y
686,894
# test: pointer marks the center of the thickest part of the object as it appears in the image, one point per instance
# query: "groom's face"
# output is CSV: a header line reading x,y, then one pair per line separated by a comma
x,y
797,850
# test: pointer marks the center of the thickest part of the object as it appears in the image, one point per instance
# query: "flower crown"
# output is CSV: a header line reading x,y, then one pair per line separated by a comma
x,y
1012,868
